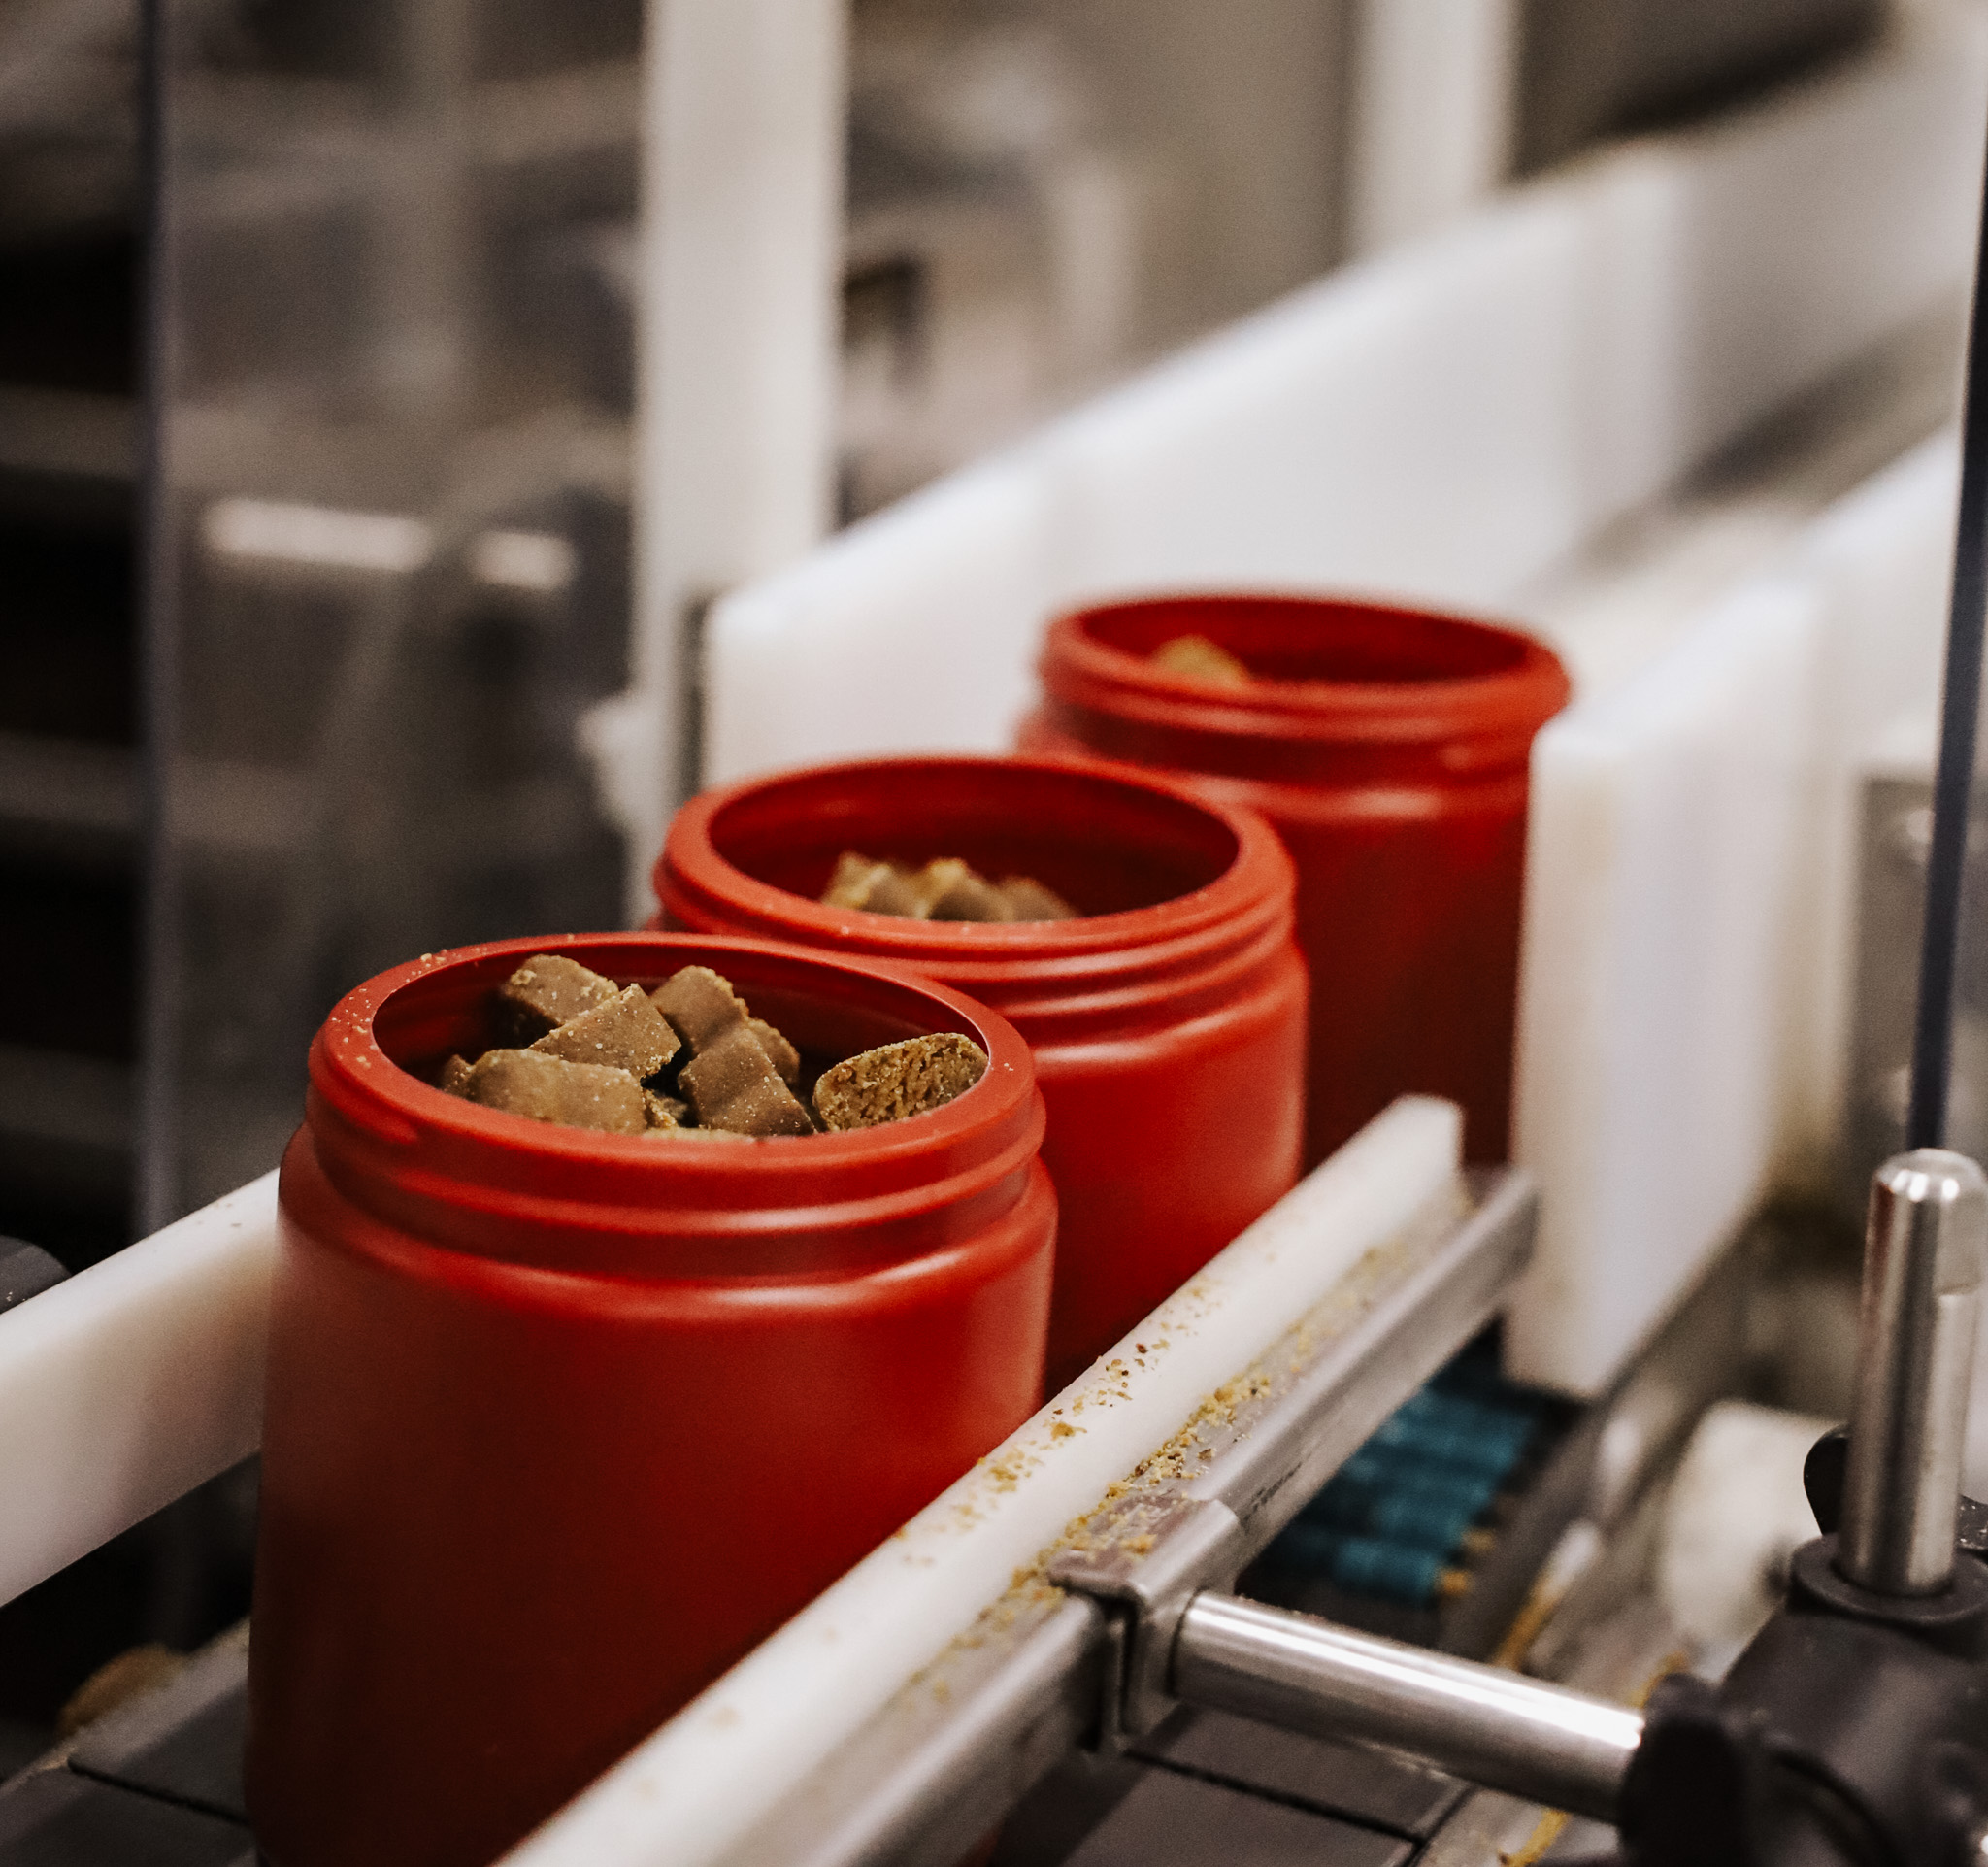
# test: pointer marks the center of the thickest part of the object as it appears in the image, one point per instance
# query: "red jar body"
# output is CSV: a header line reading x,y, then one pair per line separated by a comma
x,y
1390,749
560,1425
1167,1025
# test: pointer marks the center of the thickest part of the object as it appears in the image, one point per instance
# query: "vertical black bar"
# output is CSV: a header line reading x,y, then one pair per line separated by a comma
x,y
157,1130
1953,783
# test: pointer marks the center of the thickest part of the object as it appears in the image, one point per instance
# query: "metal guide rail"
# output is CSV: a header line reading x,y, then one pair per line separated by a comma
x,y
1076,1654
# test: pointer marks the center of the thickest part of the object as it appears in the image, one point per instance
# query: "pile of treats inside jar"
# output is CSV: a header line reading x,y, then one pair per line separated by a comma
x,y
944,889
686,1059
1199,659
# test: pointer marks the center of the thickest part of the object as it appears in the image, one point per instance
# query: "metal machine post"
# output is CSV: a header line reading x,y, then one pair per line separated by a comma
x,y
1922,1276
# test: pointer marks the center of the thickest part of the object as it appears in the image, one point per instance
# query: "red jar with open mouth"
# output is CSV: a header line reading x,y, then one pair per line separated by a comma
x,y
1390,749
1168,1022
562,1423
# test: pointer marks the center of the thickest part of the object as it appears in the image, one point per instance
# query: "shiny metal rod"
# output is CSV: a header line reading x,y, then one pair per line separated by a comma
x,y
1924,1248
1495,1729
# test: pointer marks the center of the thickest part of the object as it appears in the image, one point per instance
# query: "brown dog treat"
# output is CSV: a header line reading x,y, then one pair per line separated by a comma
x,y
944,889
1028,900
1200,659
853,878
897,892
898,1079
873,887
453,1074
549,1089
663,1113
732,1083
545,992
627,1033
700,1005
782,1055
970,897
938,880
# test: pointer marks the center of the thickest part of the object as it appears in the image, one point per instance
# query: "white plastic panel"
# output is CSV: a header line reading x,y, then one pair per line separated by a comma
x,y
133,1382
1690,914
1738,264
1656,1000
700,1782
1444,423
1411,427
900,634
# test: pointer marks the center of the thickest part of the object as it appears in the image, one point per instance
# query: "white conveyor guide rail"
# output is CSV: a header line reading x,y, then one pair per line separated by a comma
x,y
750,1771
131,1382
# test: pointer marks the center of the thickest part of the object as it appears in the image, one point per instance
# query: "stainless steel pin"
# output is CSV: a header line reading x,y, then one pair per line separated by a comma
x,y
1925,1244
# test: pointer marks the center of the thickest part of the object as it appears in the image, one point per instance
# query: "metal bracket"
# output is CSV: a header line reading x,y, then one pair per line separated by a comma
x,y
1211,1505
1143,1560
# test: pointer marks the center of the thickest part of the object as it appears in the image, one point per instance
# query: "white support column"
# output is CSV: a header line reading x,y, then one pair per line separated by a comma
x,y
737,340
1437,83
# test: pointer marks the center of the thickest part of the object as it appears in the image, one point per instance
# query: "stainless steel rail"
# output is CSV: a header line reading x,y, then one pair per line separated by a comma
x,y
1049,1667
1567,1750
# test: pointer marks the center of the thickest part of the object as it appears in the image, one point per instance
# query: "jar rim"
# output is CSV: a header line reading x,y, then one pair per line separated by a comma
x,y
1248,871
1389,673
389,1139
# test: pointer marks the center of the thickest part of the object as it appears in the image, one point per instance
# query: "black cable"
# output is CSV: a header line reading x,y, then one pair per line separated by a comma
x,y
1953,782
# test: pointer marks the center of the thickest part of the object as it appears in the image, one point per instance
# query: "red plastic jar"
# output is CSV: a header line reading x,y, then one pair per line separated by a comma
x,y
1168,1026
1390,747
560,1423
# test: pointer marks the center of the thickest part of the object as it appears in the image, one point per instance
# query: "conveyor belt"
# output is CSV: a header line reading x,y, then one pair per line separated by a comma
x,y
158,1784
155,1783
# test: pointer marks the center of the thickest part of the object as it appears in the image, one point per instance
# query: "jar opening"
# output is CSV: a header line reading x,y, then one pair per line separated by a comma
x,y
1312,640
453,1008
1105,846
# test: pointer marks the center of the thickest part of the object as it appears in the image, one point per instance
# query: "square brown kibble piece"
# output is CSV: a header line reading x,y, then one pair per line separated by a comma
x,y
664,1114
700,1006
1028,900
732,1084
549,1089
547,991
626,1033
782,1055
1200,659
451,1077
942,879
854,877
899,1079
967,896
876,888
